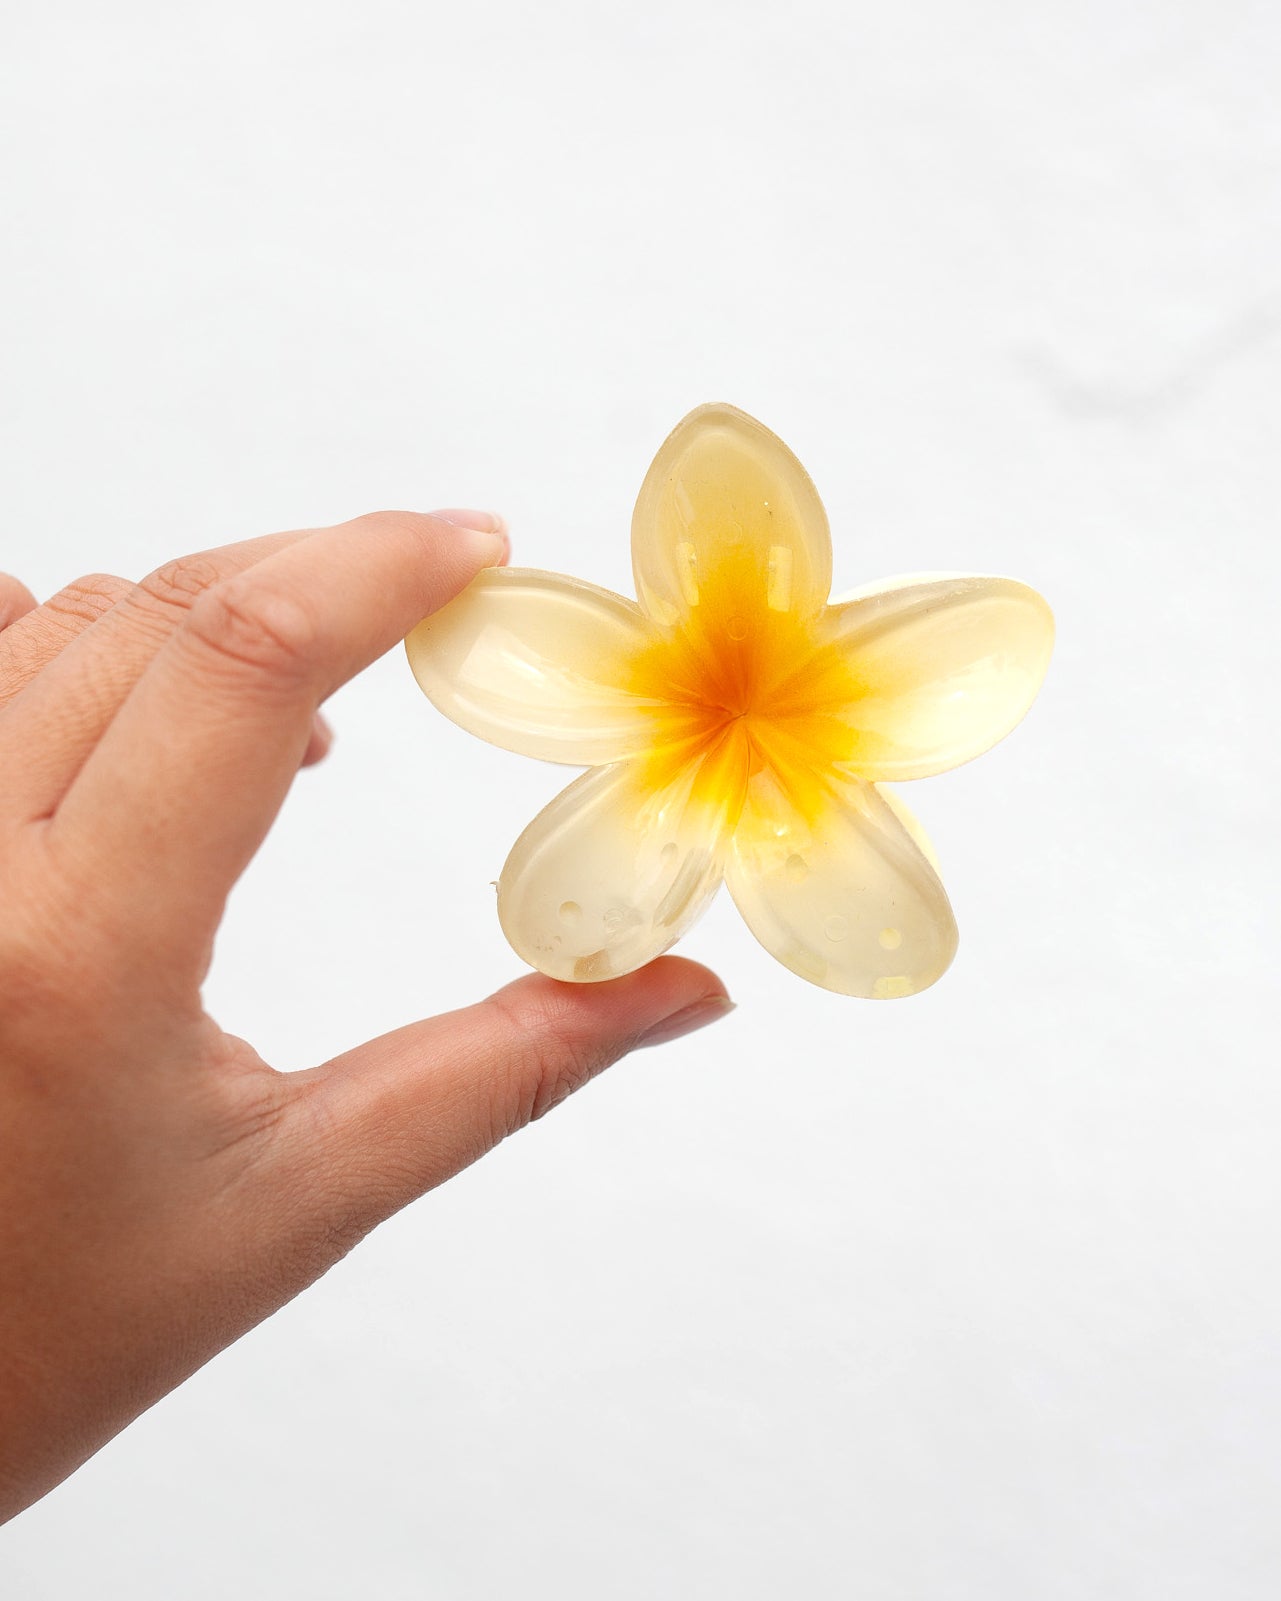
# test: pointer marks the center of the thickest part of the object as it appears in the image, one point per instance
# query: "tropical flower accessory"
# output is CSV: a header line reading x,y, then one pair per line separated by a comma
x,y
737,726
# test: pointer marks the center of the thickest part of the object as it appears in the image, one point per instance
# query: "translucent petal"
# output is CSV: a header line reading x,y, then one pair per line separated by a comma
x,y
621,863
840,893
542,665
728,523
942,669
912,823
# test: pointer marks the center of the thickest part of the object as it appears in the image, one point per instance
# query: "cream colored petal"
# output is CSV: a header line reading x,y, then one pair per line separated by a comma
x,y
842,894
728,525
942,668
912,823
542,665
621,864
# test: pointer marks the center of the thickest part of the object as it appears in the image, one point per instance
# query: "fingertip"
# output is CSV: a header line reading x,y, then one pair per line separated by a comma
x,y
491,526
480,538
631,1010
16,600
699,1014
559,1035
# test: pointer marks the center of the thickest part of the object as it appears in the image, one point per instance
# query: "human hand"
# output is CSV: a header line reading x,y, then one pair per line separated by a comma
x,y
161,1188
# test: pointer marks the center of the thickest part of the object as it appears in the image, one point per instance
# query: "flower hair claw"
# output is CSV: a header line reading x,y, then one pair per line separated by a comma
x,y
737,726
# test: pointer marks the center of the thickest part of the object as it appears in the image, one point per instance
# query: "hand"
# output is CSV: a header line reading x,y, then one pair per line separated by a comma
x,y
161,1188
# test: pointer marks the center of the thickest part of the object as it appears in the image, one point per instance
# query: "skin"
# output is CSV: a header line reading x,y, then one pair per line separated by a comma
x,y
162,1189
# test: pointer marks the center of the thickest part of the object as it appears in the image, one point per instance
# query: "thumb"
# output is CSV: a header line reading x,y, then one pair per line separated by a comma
x,y
375,1128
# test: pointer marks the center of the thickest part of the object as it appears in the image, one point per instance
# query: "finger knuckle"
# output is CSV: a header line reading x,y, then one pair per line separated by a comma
x,y
85,599
332,1236
179,583
550,1062
244,624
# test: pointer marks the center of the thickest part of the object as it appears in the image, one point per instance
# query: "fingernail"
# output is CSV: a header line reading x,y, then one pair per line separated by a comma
x,y
487,523
689,1018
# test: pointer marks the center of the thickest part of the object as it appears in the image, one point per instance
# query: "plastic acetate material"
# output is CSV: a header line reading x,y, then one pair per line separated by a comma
x,y
844,897
728,522
621,863
539,665
945,668
737,725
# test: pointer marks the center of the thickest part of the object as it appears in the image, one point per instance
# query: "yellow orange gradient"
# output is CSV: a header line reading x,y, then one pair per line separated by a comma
x,y
736,725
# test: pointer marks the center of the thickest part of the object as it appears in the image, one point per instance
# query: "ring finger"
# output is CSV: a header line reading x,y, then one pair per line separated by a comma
x,y
15,600
68,666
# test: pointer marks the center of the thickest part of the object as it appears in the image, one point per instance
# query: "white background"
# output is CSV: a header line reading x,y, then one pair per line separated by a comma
x,y
972,1297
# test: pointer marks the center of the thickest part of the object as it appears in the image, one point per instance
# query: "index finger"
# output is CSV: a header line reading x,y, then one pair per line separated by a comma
x,y
187,779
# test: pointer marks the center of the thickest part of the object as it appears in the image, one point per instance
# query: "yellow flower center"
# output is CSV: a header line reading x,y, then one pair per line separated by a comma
x,y
751,685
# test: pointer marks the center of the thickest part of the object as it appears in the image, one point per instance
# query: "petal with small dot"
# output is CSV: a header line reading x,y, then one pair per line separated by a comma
x,y
622,863
728,528
840,891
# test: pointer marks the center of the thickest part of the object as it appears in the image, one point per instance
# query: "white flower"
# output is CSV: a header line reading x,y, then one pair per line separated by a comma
x,y
736,725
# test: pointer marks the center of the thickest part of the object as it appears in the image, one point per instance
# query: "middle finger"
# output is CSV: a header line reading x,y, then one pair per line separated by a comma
x,y
65,693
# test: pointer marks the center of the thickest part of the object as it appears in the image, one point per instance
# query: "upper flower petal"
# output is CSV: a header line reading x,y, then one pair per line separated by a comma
x,y
840,891
942,667
542,665
621,863
728,519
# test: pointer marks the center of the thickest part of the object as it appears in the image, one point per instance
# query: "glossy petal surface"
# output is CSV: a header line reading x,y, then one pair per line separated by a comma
x,y
942,668
843,896
738,725
621,863
728,528
541,665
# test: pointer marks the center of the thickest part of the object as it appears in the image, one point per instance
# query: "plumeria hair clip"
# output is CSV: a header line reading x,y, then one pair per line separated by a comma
x,y
736,725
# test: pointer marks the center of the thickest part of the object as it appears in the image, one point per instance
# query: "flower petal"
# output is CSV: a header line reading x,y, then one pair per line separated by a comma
x,y
840,892
621,863
728,518
945,667
542,665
